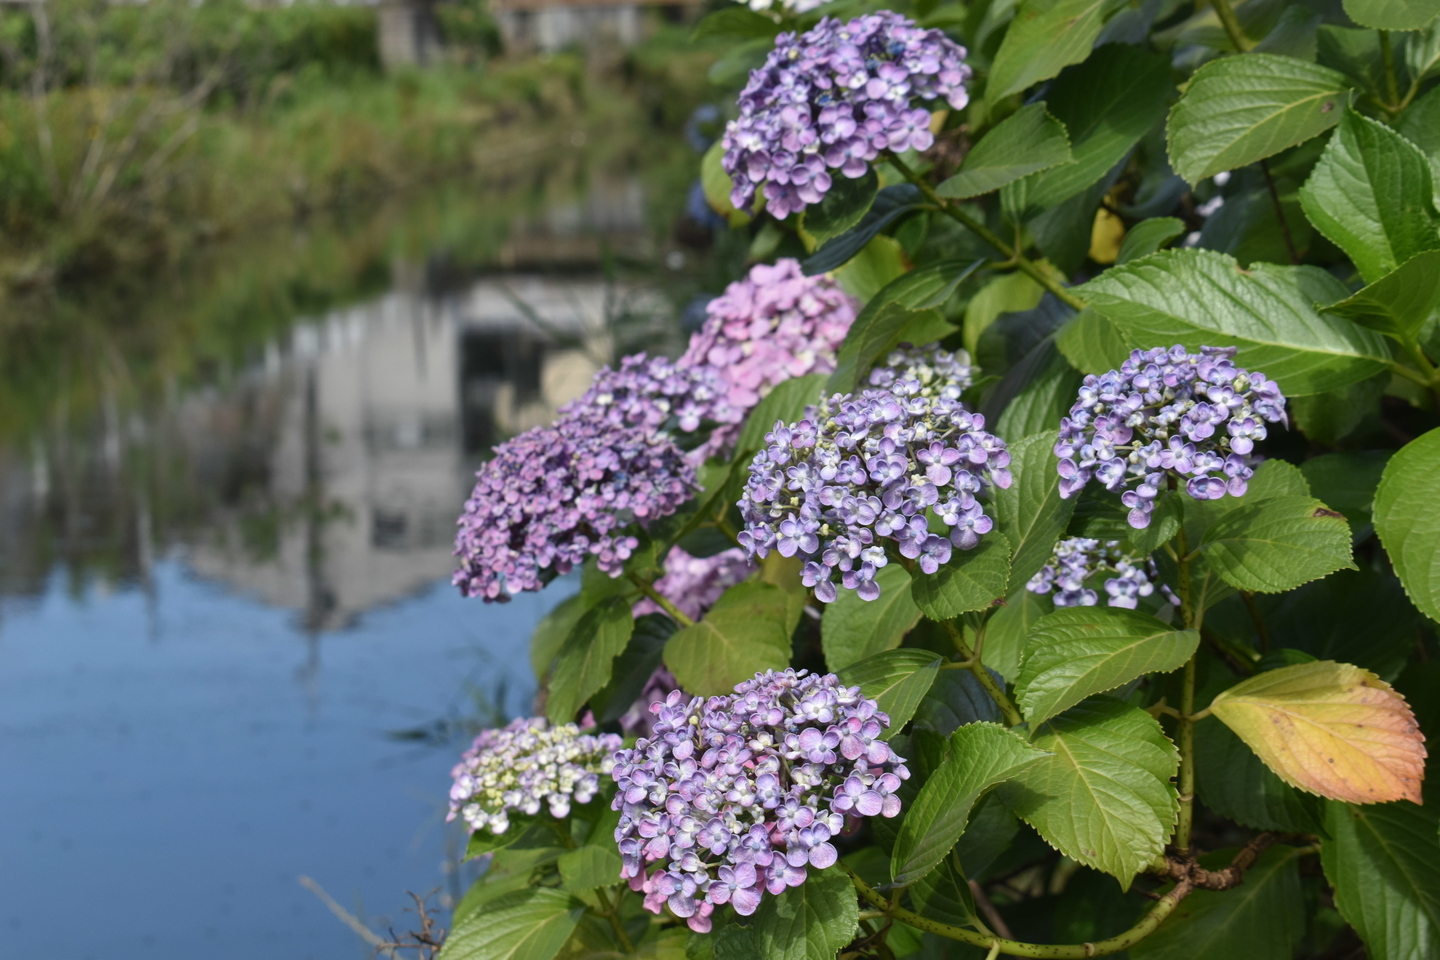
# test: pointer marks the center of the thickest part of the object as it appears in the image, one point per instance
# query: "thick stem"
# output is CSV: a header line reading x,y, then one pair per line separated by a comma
x,y
1231,23
1186,734
1015,256
1047,951
649,590
972,663
1387,58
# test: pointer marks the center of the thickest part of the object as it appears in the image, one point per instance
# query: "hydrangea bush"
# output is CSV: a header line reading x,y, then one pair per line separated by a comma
x,y
1073,434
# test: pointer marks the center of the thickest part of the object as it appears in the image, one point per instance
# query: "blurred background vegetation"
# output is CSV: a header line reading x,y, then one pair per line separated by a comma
x,y
130,133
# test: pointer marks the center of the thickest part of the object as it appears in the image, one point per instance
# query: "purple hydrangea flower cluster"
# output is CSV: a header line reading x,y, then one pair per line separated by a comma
x,y
940,373
524,765
774,324
555,495
1078,558
649,391
869,468
737,795
831,99
694,583
1167,412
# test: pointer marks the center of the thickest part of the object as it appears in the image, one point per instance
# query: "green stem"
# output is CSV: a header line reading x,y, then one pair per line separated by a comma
x,y
973,664
1013,255
1186,734
1428,376
1392,87
1231,23
649,590
612,914
1061,951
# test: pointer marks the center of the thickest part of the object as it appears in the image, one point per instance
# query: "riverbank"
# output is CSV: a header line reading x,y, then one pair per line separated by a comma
x,y
121,188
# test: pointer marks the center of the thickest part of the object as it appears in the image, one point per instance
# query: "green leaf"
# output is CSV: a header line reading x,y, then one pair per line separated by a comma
x,y
1407,517
527,925
584,665
1107,104
1092,343
1384,863
1105,798
734,23
1277,544
896,679
1262,919
852,629
743,634
842,207
1030,512
972,580
550,634
1045,37
732,69
955,699
1236,784
1392,14
1008,293
1347,482
1372,193
1027,141
891,204
1077,652
944,894
809,922
1420,124
1046,391
717,186
881,324
632,669
981,755
1148,236
1422,57
511,869
787,402
1399,303
589,867
1197,297
1237,110
1007,628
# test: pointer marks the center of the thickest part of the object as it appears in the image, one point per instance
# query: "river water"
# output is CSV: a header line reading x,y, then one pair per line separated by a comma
x,y
230,657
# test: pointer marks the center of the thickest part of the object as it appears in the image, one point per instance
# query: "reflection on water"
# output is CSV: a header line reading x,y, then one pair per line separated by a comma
x,y
190,509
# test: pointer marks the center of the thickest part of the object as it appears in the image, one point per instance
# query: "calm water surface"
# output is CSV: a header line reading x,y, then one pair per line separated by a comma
x,y
229,653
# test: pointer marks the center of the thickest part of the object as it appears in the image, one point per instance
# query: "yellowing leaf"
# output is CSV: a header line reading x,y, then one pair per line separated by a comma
x,y
1329,728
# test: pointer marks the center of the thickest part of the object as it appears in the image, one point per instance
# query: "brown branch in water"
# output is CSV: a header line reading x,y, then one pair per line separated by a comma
x,y
427,941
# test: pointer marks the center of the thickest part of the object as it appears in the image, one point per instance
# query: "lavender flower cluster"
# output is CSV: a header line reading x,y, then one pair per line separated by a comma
x,y
555,495
524,765
1078,558
650,391
694,583
1167,412
737,795
831,99
774,324
940,373
869,468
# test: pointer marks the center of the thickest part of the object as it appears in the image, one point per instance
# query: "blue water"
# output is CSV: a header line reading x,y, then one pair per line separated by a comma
x,y
175,759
